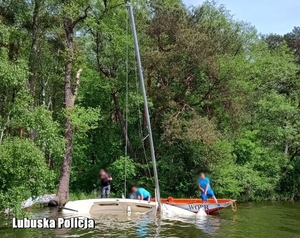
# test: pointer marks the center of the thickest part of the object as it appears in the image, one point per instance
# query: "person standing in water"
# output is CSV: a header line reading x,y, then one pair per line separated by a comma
x,y
105,183
204,186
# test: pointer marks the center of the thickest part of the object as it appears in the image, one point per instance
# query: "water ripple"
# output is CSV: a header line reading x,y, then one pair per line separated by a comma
x,y
251,220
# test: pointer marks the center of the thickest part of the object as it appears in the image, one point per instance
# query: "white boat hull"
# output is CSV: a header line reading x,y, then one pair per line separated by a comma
x,y
96,207
194,205
176,214
209,208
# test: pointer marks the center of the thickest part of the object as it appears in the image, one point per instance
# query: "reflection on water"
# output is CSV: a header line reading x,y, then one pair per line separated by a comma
x,y
251,220
142,226
210,224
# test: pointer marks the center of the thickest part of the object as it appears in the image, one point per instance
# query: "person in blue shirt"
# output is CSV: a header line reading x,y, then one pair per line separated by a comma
x,y
204,186
141,194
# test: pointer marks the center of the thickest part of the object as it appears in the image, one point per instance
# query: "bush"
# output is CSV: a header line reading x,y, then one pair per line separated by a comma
x,y
23,172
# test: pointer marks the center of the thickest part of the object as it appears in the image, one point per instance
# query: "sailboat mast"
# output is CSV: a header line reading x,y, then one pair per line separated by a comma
x,y
139,64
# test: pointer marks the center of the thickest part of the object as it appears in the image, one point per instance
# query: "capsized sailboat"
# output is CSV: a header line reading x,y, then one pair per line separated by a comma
x,y
101,206
96,207
195,204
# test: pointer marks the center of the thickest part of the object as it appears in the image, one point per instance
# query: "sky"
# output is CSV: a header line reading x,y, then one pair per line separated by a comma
x,y
268,16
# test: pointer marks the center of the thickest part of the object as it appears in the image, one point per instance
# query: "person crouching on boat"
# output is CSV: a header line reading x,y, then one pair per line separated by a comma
x,y
206,190
141,194
105,183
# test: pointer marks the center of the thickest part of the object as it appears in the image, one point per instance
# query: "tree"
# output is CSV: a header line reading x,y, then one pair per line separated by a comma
x,y
69,24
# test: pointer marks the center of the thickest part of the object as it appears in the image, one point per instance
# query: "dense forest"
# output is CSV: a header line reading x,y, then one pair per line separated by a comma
x,y
223,99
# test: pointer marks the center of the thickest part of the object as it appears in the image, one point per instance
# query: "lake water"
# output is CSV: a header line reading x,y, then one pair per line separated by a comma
x,y
269,219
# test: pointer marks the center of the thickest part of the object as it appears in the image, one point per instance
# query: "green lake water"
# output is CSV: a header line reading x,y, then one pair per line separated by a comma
x,y
268,219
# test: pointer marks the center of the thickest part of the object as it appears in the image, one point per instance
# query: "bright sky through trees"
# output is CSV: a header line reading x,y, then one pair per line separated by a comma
x,y
268,16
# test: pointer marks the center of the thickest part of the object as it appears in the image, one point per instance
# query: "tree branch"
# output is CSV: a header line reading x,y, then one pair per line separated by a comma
x,y
81,18
49,103
185,105
105,71
293,156
115,6
101,68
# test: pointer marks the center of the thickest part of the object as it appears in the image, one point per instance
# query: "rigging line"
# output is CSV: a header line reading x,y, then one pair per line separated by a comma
x,y
126,106
141,125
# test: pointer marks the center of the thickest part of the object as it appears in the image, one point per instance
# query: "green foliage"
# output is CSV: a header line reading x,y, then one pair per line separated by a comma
x,y
222,98
78,195
24,172
85,119
47,132
123,170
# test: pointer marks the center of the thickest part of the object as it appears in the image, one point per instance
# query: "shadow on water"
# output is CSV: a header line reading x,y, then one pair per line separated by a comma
x,y
252,220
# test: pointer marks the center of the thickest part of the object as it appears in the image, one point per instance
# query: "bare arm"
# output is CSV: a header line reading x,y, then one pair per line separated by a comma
x,y
142,197
207,185
200,188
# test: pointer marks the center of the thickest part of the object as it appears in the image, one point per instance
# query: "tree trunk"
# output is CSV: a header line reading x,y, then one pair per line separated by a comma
x,y
69,25
32,64
34,48
286,150
63,189
44,85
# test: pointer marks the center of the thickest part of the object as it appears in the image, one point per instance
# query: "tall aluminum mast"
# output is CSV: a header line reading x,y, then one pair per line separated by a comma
x,y
139,64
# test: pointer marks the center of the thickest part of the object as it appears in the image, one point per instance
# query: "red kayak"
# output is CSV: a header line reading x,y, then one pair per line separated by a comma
x,y
194,205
